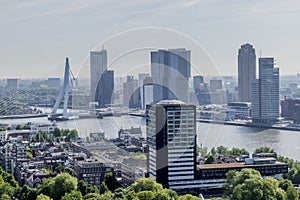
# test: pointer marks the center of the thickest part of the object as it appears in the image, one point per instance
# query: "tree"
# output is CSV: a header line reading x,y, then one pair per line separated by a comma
x,y
85,188
211,159
92,196
188,197
213,151
235,178
145,195
249,185
111,181
43,197
103,188
28,193
144,184
69,170
292,193
221,150
264,150
57,187
57,132
74,195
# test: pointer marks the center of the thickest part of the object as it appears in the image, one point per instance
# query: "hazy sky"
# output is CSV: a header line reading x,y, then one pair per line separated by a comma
x,y
36,36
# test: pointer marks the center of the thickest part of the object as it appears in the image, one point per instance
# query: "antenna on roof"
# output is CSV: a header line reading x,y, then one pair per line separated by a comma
x,y
260,53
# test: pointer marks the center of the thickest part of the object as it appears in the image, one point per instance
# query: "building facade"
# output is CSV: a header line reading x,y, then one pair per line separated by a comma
x,y
171,139
246,71
98,64
170,70
12,83
201,90
265,92
105,89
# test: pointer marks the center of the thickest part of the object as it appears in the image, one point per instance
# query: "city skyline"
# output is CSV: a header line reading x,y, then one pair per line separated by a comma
x,y
41,34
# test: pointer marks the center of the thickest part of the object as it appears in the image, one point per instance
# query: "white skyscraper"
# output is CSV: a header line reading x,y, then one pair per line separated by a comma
x,y
98,63
265,93
171,137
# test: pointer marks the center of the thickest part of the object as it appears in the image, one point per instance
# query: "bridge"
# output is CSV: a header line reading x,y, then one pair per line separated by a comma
x,y
69,82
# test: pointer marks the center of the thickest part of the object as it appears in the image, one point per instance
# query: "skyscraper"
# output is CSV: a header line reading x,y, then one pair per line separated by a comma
x,y
265,92
246,71
171,138
170,70
105,89
98,64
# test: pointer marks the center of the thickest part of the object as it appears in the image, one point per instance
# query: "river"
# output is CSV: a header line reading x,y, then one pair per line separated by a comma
x,y
286,143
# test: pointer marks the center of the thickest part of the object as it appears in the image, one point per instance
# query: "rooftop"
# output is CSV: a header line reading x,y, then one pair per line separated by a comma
x,y
171,102
233,165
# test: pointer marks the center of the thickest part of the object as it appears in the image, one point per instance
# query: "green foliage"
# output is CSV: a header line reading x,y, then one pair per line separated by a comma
x,y
294,171
264,150
43,197
249,185
2,128
74,195
28,193
111,181
145,195
92,196
202,151
146,184
292,193
103,188
188,197
213,151
85,188
211,159
69,170
57,187
8,185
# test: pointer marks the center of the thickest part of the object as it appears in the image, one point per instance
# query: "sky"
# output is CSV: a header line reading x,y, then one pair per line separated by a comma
x,y
36,36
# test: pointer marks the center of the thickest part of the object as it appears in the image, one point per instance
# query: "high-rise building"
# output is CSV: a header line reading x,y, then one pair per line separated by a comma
x,y
265,93
142,77
53,82
170,70
201,90
131,95
246,71
98,64
105,90
171,138
12,83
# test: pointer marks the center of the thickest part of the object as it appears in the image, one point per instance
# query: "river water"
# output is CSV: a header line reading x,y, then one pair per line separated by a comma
x,y
286,143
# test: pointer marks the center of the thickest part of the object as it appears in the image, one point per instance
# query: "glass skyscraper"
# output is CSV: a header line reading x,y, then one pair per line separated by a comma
x,y
246,71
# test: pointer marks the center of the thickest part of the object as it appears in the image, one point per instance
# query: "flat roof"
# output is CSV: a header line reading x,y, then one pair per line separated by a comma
x,y
235,165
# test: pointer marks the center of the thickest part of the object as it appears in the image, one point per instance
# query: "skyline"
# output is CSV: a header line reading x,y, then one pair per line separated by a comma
x,y
44,33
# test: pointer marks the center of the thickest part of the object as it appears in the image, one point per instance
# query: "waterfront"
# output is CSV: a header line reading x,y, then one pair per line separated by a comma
x,y
285,142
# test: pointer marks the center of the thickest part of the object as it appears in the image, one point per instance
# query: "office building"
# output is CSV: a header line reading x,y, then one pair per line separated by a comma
x,y
217,92
98,64
147,92
288,107
12,83
171,139
105,90
265,93
246,71
142,77
170,70
131,93
91,171
201,90
53,82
